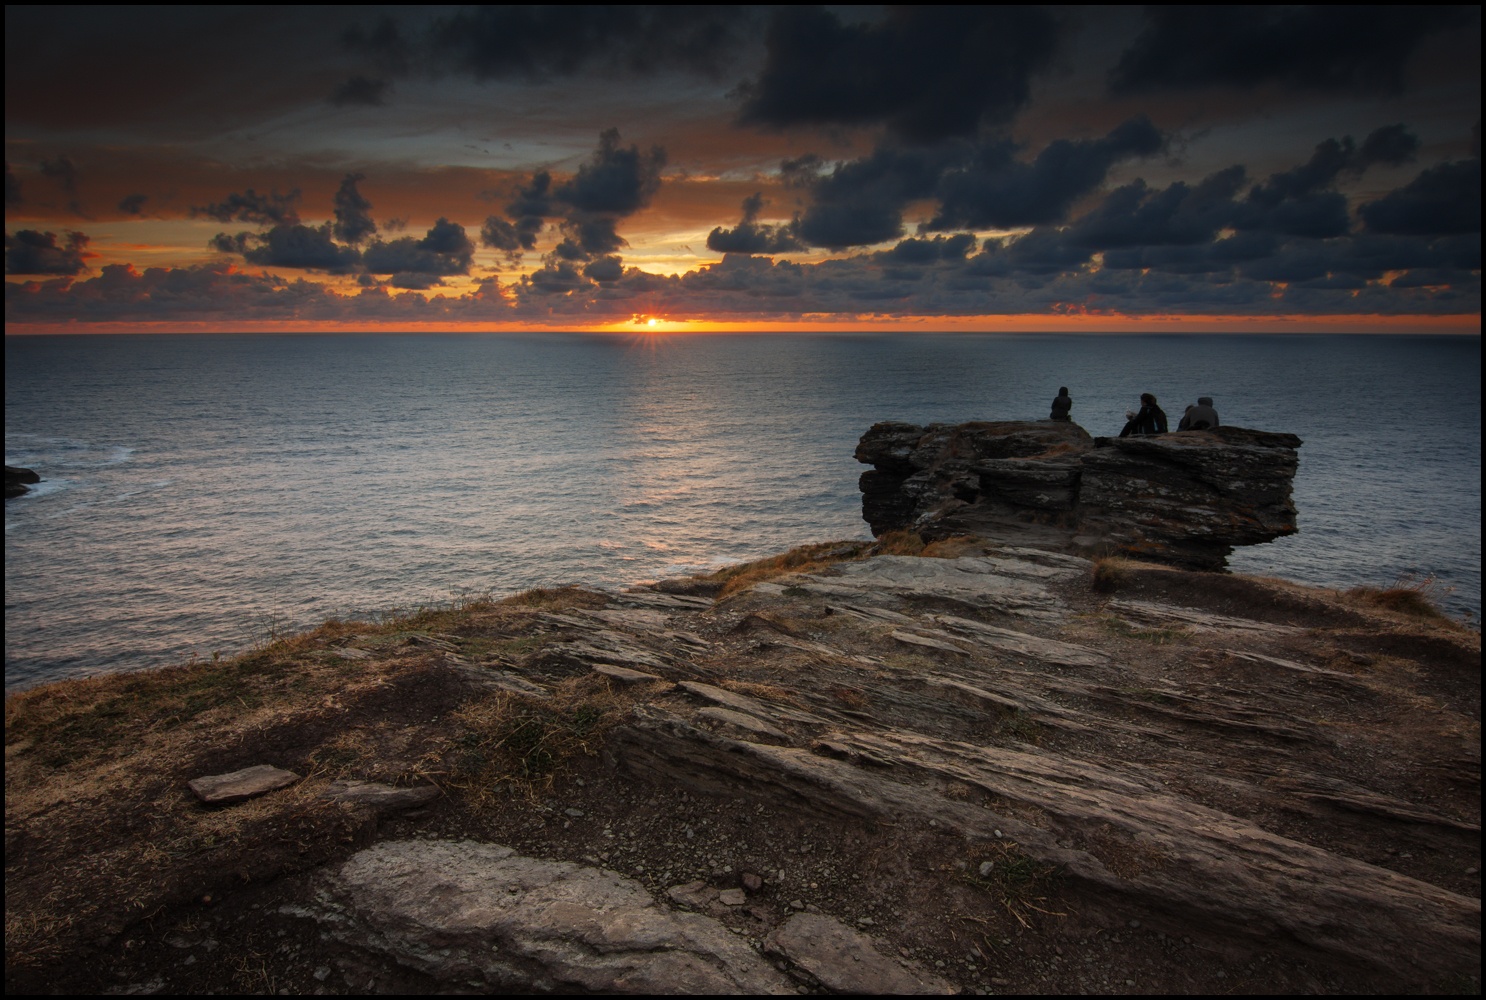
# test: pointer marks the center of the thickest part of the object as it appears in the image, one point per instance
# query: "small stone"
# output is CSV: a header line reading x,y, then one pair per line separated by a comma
x,y
322,973
986,867
998,834
1134,924
239,786
797,904
865,921
575,813
733,897
752,882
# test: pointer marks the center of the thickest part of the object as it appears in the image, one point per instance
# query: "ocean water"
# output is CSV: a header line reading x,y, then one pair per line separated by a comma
x,y
203,490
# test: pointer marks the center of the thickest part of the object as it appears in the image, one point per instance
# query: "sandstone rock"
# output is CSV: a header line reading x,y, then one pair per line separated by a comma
x,y
467,913
624,675
238,786
845,960
479,914
384,798
1184,498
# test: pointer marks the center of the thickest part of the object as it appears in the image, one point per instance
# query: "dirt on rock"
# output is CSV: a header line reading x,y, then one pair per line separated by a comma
x,y
1009,768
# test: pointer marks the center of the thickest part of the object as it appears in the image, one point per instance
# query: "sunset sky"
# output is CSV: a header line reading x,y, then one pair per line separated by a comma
x,y
751,168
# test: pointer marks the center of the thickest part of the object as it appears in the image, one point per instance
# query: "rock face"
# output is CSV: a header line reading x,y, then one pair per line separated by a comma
x,y
480,914
17,481
1186,498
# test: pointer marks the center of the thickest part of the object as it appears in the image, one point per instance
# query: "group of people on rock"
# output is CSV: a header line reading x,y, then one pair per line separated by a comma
x,y
1150,418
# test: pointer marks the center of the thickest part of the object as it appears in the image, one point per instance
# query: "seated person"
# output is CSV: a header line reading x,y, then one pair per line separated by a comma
x,y
1199,417
1150,420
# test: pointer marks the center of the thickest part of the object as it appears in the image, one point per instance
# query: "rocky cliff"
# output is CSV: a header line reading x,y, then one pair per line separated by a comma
x,y
1185,499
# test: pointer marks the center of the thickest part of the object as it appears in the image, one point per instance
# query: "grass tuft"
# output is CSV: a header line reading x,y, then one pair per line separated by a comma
x,y
515,741
1415,596
1111,574
1022,884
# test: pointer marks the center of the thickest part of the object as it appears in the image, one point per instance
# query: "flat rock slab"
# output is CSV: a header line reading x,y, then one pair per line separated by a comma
x,y
481,916
239,786
380,796
846,960
625,675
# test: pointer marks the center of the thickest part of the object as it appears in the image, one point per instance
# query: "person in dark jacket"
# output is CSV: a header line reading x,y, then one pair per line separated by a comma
x,y
1199,417
1150,420
1062,405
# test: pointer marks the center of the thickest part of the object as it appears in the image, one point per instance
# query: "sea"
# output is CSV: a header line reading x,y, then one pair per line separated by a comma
x,y
203,493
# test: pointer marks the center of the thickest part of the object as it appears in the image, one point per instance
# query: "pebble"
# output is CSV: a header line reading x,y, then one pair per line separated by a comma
x,y
575,813
986,867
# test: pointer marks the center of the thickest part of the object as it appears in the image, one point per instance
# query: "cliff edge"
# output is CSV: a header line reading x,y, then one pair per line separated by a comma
x,y
857,767
1186,498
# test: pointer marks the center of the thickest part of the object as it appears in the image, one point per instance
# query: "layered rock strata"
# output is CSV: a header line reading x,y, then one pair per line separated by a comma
x,y
1185,499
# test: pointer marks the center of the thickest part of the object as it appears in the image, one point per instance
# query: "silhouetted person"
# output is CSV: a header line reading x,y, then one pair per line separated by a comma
x,y
1062,404
1150,420
1199,417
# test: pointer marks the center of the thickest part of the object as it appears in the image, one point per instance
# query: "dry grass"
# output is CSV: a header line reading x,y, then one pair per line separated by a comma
x,y
1414,596
803,559
1022,884
554,599
764,692
1111,574
512,741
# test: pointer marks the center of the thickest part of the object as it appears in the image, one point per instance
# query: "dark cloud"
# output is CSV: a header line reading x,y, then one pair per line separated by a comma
x,y
353,221
861,202
133,204
498,234
12,188
384,42
362,91
557,278
1341,48
927,73
927,251
532,207
32,252
593,235
537,41
994,190
293,245
252,207
1442,200
1392,145
1180,215
605,270
63,171
615,179
445,250
751,237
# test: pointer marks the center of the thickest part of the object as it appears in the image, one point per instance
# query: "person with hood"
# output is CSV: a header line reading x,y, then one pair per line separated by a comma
x,y
1150,420
1199,417
1062,404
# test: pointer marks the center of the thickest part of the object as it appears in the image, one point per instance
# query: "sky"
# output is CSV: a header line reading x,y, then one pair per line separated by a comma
x,y
195,168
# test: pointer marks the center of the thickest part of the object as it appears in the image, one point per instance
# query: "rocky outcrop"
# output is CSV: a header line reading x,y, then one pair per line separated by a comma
x,y
884,774
467,914
17,481
1185,499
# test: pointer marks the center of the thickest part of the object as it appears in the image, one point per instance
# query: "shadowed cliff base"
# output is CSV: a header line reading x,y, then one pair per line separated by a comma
x,y
1186,498
1005,769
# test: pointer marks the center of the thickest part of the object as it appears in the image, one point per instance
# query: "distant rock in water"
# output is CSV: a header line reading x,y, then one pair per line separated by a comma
x,y
1185,498
16,481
